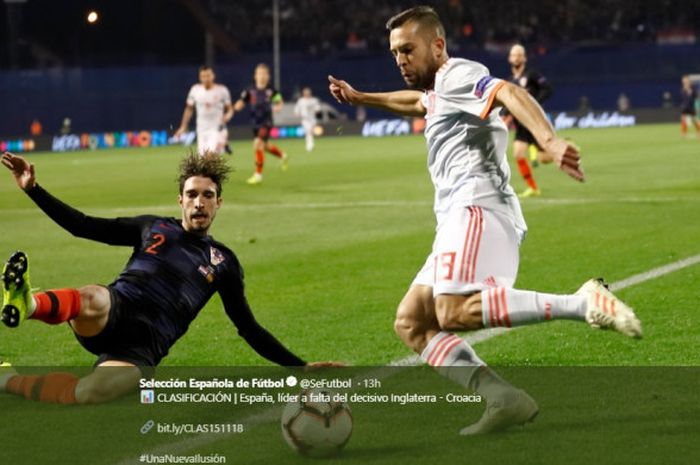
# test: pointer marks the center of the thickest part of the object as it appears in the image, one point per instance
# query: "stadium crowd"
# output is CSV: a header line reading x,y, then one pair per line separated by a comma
x,y
41,35
327,26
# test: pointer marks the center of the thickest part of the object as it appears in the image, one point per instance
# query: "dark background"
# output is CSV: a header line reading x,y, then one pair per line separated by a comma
x,y
133,67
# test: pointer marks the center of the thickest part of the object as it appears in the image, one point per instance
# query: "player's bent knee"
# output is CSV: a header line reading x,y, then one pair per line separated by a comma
x,y
95,301
405,322
95,304
410,328
459,312
446,309
415,321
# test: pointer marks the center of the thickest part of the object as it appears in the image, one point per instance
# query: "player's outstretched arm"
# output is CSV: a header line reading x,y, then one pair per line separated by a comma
x,y
260,339
403,102
239,105
186,117
526,110
119,231
21,169
238,310
228,114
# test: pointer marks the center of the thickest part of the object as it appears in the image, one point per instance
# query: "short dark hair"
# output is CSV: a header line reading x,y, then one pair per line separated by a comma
x,y
424,15
209,165
205,68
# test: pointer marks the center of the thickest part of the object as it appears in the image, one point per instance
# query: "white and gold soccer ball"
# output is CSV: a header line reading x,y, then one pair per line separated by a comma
x,y
315,424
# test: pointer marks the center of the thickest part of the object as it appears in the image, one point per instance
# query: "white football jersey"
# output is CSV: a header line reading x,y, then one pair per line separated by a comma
x,y
210,105
306,108
467,142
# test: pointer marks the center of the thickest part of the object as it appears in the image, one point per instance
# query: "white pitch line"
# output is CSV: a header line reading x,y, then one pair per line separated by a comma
x,y
531,203
174,209
655,273
412,360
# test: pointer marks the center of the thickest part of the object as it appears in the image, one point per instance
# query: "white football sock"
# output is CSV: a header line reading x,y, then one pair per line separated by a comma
x,y
511,307
453,358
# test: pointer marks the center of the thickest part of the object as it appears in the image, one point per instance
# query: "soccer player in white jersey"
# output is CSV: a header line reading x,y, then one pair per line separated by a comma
x,y
306,108
214,110
466,282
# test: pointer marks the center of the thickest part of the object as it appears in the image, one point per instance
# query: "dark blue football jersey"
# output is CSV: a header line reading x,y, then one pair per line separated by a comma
x,y
260,103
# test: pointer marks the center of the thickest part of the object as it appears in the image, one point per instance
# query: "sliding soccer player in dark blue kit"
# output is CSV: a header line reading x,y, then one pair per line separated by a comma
x,y
176,266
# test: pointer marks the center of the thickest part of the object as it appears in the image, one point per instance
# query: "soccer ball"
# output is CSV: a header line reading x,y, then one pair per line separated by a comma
x,y
315,425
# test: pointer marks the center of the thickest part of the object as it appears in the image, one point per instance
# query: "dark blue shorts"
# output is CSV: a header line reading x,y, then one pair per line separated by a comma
x,y
128,336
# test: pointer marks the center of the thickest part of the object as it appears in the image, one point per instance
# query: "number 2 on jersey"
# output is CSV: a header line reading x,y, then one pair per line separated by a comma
x,y
158,240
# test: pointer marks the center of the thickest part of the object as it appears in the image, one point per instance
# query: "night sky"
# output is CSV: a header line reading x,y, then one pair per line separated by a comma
x,y
128,32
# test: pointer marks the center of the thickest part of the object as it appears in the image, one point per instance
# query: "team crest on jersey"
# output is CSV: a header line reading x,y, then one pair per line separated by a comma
x,y
481,85
215,256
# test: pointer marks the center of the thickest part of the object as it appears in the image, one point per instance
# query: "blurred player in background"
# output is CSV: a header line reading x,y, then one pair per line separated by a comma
x,y
466,282
174,269
263,100
306,108
537,85
689,98
214,110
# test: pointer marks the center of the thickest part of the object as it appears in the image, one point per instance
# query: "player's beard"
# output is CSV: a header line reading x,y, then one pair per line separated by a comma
x,y
425,79
200,227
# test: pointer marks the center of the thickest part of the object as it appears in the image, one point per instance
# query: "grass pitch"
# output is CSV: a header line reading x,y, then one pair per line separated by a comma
x,y
330,246
329,249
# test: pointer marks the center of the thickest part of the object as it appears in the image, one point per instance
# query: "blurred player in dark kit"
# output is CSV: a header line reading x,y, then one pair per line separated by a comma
x,y
263,100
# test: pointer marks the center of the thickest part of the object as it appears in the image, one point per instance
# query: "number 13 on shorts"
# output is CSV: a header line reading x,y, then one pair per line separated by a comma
x,y
445,266
475,248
